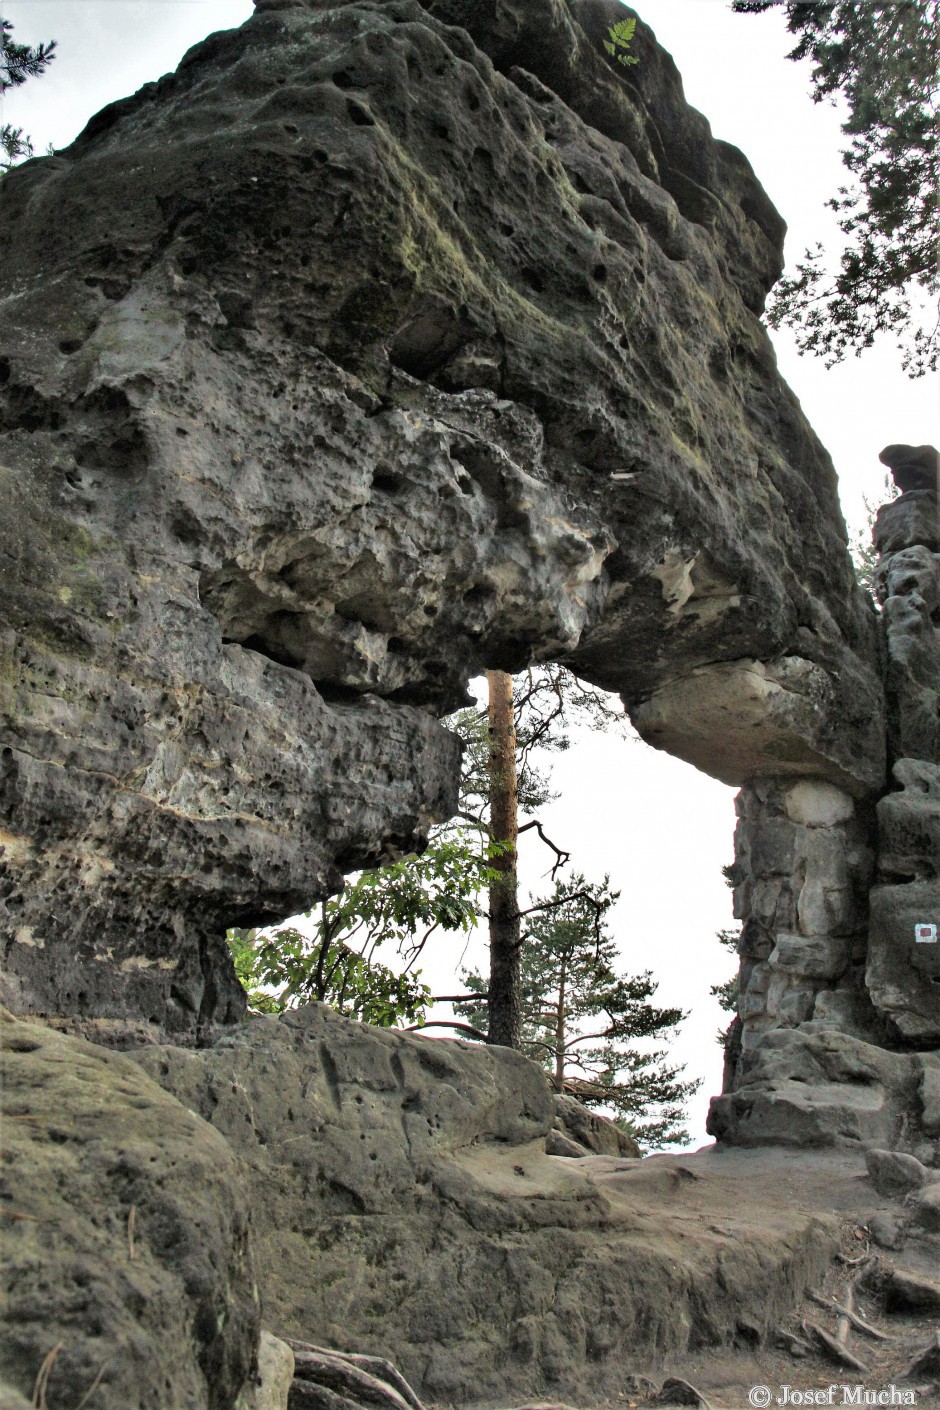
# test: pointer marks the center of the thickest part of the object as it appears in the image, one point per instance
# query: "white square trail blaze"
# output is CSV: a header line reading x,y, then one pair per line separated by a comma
x,y
925,933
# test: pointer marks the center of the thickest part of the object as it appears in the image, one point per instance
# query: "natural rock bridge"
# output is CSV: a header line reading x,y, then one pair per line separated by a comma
x,y
382,343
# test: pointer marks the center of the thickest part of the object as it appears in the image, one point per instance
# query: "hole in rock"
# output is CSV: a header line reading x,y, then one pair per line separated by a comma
x,y
479,593
483,164
263,647
430,338
359,115
335,693
386,480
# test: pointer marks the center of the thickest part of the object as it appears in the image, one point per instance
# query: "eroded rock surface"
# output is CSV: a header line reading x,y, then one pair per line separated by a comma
x,y
903,970
377,345
404,1205
803,868
802,1087
125,1229
823,950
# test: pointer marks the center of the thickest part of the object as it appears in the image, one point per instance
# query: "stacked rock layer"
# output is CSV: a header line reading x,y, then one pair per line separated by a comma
x,y
839,1013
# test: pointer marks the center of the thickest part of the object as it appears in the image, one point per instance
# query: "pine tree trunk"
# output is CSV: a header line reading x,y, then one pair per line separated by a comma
x,y
560,1031
505,1007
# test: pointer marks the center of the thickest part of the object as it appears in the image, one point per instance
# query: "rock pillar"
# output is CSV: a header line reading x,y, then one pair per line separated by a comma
x,y
840,897
904,944
804,863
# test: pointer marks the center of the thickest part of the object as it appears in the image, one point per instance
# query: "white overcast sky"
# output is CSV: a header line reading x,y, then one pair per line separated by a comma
x,y
661,829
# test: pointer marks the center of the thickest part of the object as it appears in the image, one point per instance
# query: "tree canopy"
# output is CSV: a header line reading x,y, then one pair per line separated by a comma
x,y
881,58
18,62
582,1018
336,961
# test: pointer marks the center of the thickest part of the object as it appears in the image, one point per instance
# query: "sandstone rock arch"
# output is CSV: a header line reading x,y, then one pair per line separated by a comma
x,y
379,344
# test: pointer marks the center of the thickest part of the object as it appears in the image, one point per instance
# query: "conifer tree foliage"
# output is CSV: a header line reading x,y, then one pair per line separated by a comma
x,y
18,62
880,56
582,1019
727,993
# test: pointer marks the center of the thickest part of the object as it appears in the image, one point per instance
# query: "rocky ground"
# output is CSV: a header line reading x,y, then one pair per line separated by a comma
x,y
723,1193
899,1296
894,1340
388,1195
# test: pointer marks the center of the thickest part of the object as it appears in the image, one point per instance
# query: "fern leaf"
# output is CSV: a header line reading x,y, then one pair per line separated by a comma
x,y
619,42
622,33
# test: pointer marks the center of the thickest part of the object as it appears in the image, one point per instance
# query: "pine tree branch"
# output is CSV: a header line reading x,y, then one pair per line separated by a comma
x,y
441,1023
561,857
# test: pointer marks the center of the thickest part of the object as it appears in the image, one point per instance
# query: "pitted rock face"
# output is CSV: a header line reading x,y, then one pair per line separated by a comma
x,y
126,1235
376,346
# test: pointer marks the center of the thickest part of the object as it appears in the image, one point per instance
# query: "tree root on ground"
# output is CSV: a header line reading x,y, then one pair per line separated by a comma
x,y
337,1380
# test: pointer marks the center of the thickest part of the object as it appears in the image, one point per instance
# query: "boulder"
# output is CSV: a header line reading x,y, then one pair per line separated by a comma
x,y
268,1387
893,1173
913,468
814,956
906,1291
910,519
675,1391
925,1208
126,1243
929,1093
909,823
595,1134
557,1143
903,971
805,1088
887,1230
